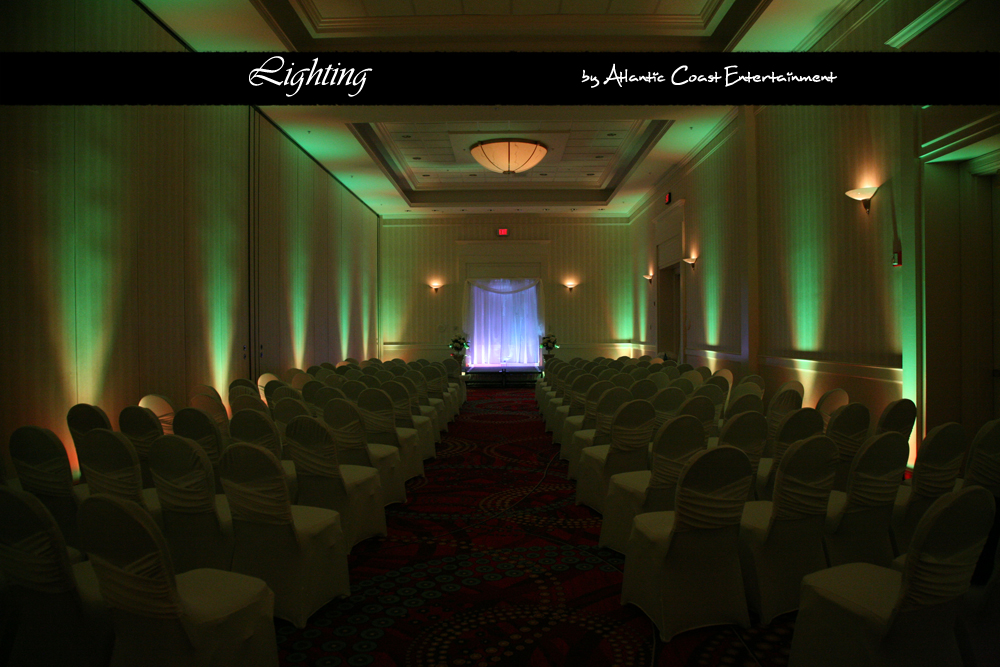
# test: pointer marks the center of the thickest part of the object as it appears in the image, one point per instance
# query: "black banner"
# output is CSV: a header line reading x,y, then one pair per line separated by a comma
x,y
501,78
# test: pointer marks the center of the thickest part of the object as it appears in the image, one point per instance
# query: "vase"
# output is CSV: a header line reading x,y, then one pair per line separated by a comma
x,y
460,358
547,355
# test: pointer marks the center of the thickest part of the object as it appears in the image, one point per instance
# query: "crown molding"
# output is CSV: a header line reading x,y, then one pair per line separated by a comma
x,y
917,26
835,16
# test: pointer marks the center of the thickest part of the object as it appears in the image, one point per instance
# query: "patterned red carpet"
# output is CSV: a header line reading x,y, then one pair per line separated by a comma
x,y
491,563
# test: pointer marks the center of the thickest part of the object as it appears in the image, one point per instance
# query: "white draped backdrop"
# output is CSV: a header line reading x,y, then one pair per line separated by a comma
x,y
504,320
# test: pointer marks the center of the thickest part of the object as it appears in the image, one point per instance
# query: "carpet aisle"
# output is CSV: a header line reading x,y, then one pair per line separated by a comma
x,y
490,563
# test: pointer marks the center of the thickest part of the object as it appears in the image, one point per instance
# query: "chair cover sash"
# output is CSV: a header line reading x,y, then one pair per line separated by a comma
x,y
933,580
124,482
604,420
142,587
932,480
868,491
211,447
848,444
985,471
184,494
665,471
51,477
264,501
33,562
319,460
350,436
143,442
799,499
627,438
378,421
710,511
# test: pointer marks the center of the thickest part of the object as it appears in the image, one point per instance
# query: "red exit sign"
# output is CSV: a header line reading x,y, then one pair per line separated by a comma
x,y
502,232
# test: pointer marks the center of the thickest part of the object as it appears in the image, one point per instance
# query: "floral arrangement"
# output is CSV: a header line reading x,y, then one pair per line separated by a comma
x,y
548,343
460,343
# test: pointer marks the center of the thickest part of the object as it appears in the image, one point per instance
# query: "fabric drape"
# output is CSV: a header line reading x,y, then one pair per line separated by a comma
x,y
504,318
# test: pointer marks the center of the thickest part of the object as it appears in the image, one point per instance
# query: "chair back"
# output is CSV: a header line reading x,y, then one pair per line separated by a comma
x,y
876,472
607,374
712,489
310,389
684,368
726,375
607,406
703,409
256,428
643,389
715,393
694,377
327,394
743,389
352,389
413,391
639,373
661,380
983,467
829,402
939,460
577,393
747,431
721,382
369,380
270,385
667,402
33,553
200,427
753,379
314,451
110,465
783,402
284,391
214,408
384,375
804,479
43,469
285,410
848,427
671,371
378,416
622,380
247,402
83,417
243,382
162,407
300,379
348,428
255,486
748,402
141,427
899,416
796,425
631,434
684,384
673,445
592,397
945,547
400,403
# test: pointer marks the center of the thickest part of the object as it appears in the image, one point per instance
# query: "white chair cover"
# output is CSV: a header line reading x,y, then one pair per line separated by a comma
x,y
667,402
353,491
214,408
586,420
162,407
83,417
402,409
299,551
436,405
142,427
419,410
703,408
256,428
199,618
848,427
607,406
682,567
796,425
631,433
787,399
858,521
639,491
899,416
197,523
353,448
862,614
576,404
59,616
747,431
379,419
829,402
43,469
938,463
983,468
111,466
782,541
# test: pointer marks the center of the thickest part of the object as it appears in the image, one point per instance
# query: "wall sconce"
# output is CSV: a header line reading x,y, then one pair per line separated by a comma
x,y
435,287
690,261
863,195
649,277
570,286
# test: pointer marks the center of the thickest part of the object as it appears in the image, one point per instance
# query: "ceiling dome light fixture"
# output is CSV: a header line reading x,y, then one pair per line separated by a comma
x,y
508,156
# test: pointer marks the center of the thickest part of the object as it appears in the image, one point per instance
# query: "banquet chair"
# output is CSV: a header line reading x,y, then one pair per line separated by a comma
x,y
437,387
639,373
653,490
327,394
247,402
564,379
617,364
576,393
285,391
661,380
644,389
207,390
607,374
300,379
57,614
607,406
370,381
455,378
299,551
269,383
289,374
402,410
899,416
383,376
859,520
848,427
705,371
162,407
753,379
141,427
785,400
586,420
286,409
782,541
938,463
200,618
746,431
694,377
796,425
352,389
256,428
684,385
43,468
199,426
214,408
672,372
714,393
111,466
419,410
703,409
353,491
829,402
83,417
684,368
682,568
243,382
722,383
353,448
197,524
397,369
622,380
726,375
741,390
334,380
870,616
631,432
447,385
379,419
309,391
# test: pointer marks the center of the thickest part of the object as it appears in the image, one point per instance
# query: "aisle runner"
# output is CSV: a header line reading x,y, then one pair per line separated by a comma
x,y
492,563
